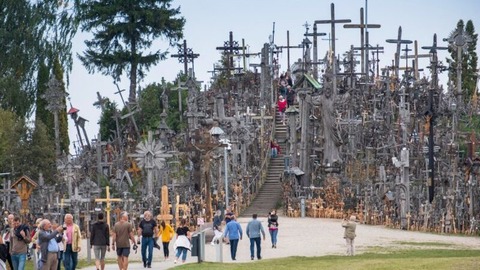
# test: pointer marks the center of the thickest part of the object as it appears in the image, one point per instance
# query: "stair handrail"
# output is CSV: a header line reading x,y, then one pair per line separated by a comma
x,y
261,174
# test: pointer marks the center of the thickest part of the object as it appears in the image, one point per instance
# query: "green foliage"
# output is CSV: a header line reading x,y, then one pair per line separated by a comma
x,y
62,115
30,32
123,33
108,127
469,62
41,153
470,78
41,112
151,104
151,107
11,129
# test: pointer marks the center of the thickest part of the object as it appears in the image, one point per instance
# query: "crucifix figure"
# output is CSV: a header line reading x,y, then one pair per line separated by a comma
x,y
108,200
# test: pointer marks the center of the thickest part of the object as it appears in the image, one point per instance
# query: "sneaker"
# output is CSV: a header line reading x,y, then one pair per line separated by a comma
x,y
259,258
175,262
212,243
251,258
149,266
144,264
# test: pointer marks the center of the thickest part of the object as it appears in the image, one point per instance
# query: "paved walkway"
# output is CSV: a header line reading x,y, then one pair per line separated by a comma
x,y
306,237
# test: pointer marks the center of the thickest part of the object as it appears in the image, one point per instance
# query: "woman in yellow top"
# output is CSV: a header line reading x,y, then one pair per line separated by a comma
x,y
166,233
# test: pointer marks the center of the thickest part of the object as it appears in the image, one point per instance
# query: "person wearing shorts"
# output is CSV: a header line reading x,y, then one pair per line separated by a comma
x,y
100,241
121,234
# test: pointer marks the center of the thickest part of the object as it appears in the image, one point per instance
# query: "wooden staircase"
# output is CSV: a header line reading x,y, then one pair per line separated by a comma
x,y
271,191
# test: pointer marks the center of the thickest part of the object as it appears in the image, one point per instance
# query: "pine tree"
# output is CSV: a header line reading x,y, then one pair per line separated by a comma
x,y
470,74
123,33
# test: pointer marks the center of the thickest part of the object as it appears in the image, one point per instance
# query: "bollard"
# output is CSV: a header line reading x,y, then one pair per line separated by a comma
x,y
302,207
219,251
198,246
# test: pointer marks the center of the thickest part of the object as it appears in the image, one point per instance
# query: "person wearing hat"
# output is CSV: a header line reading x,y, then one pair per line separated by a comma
x,y
349,234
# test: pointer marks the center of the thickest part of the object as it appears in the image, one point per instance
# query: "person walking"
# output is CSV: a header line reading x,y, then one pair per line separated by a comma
x,y
100,241
147,229
282,107
166,234
290,96
3,254
7,238
121,234
73,234
19,240
273,227
183,241
349,234
234,232
48,240
61,246
254,229
217,223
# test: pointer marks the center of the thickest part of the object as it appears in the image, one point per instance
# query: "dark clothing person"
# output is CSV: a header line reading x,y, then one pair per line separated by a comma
x,y
290,96
273,228
100,235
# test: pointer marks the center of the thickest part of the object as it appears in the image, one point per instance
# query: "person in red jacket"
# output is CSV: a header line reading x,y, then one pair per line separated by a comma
x,y
282,106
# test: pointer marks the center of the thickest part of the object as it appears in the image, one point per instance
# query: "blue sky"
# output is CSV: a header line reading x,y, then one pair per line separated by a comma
x,y
208,23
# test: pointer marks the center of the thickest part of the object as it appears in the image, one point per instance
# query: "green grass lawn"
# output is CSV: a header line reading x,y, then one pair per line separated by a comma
x,y
425,258
396,260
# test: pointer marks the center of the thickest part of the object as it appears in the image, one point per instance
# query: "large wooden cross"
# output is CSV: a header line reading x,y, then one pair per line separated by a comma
x,y
108,200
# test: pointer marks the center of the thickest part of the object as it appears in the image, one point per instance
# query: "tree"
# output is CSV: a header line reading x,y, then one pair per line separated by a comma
x,y
123,32
469,60
41,112
30,32
62,115
107,123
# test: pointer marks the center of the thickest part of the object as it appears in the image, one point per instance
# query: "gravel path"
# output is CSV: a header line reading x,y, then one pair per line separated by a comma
x,y
309,237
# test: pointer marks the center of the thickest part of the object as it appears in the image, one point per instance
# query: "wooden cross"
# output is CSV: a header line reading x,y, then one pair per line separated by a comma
x,y
134,169
363,43
332,23
399,41
164,206
108,200
24,186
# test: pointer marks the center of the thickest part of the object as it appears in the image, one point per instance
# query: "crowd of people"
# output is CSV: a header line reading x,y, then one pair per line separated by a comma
x,y
51,245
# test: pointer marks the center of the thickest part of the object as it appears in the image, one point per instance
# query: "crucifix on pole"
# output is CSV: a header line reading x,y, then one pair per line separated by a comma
x,y
332,23
108,200
185,55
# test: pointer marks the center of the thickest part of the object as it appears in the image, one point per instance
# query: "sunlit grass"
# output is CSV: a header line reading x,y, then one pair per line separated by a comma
x,y
394,260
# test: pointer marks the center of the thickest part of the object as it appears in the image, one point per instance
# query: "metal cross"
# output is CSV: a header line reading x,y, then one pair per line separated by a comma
x,y
185,55
230,47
